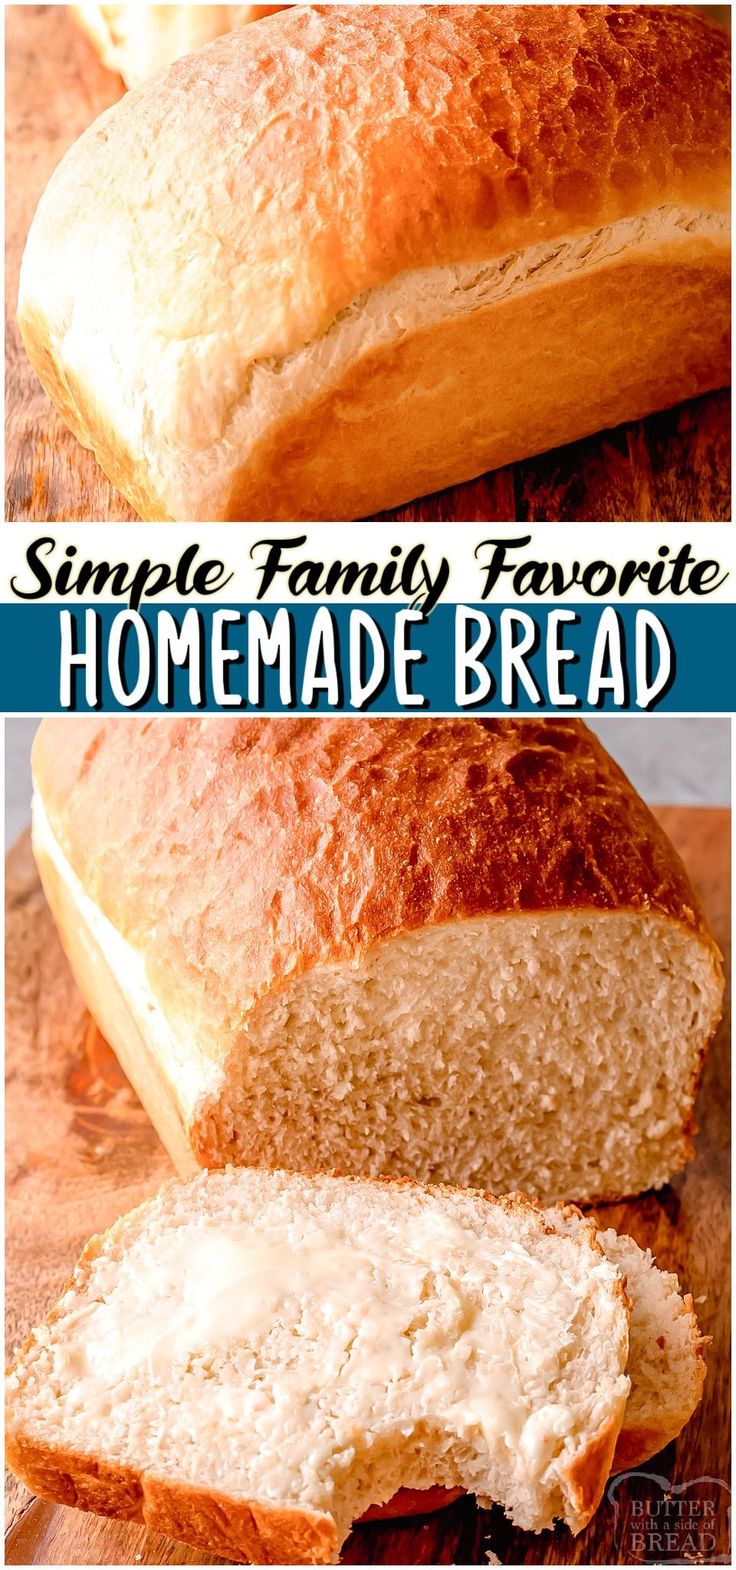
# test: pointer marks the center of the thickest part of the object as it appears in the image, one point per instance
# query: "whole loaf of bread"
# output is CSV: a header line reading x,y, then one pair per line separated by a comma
x,y
456,950
350,255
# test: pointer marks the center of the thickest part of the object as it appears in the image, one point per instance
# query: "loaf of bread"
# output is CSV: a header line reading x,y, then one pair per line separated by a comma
x,y
138,40
351,255
455,950
251,1359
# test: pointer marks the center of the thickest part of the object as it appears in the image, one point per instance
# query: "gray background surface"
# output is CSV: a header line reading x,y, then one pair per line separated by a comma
x,y
669,760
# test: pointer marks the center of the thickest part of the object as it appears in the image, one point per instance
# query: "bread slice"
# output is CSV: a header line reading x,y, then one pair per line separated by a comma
x,y
251,1359
666,1365
455,950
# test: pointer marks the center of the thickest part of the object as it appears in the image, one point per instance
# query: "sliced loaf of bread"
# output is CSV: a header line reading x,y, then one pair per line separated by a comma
x,y
252,1359
453,950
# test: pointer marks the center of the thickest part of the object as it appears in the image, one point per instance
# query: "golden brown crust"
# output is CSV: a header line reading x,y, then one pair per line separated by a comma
x,y
589,1472
235,855
636,1445
241,1530
244,1531
637,333
254,849
503,122
371,141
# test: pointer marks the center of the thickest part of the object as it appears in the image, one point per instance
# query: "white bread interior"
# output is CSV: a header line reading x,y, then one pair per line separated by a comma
x,y
313,1344
554,1053
666,1364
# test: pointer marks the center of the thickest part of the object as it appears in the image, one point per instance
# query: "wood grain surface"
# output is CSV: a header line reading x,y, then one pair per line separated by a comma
x,y
80,1151
673,466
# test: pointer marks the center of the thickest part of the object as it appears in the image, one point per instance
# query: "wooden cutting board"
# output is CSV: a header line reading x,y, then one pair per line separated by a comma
x,y
673,467
80,1151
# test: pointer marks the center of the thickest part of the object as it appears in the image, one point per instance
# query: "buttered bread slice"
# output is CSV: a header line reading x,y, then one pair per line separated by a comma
x,y
252,1359
666,1365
